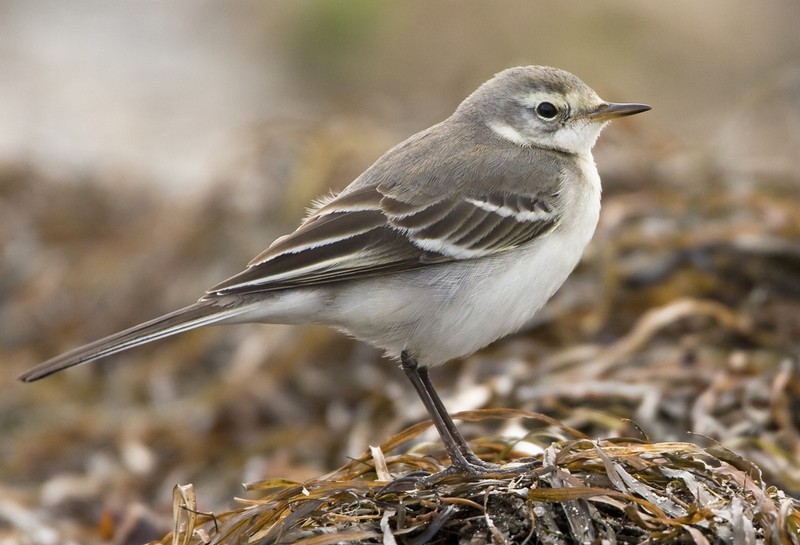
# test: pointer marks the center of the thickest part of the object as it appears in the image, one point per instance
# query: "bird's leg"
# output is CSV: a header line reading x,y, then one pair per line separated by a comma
x,y
463,460
441,410
465,464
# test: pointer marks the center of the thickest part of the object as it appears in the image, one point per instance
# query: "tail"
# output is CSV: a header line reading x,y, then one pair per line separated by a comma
x,y
191,317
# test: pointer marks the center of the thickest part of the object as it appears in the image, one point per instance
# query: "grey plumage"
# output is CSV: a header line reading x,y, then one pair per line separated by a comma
x,y
452,239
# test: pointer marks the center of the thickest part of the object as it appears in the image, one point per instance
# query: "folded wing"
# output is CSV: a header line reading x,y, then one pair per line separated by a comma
x,y
369,232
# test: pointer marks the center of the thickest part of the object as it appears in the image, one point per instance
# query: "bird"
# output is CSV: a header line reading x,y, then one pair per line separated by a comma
x,y
451,240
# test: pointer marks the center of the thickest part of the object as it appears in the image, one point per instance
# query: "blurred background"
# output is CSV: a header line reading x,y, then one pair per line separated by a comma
x,y
148,150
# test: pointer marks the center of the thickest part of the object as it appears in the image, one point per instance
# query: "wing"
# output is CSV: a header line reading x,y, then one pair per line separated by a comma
x,y
369,231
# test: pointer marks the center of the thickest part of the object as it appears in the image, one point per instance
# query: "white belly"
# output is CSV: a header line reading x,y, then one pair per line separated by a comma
x,y
451,310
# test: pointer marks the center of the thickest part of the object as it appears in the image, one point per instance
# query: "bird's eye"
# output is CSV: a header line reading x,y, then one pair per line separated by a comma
x,y
546,110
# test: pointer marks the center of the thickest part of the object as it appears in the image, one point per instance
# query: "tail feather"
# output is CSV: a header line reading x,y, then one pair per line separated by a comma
x,y
197,315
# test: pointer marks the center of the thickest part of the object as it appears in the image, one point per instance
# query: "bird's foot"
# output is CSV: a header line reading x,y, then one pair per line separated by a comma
x,y
465,470
473,468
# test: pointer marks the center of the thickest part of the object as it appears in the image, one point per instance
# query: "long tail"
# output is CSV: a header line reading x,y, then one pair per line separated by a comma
x,y
191,317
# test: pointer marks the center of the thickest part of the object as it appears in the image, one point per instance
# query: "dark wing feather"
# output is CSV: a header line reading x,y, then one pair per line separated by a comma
x,y
367,232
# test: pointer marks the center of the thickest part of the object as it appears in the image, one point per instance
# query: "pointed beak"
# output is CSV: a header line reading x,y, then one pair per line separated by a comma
x,y
610,110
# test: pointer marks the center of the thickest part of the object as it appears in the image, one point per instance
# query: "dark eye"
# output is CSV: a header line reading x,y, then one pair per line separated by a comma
x,y
546,110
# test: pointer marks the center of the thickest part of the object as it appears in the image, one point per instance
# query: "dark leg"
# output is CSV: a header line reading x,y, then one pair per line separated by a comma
x,y
463,460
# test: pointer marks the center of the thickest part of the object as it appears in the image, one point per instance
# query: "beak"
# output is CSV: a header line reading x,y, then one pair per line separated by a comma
x,y
610,110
